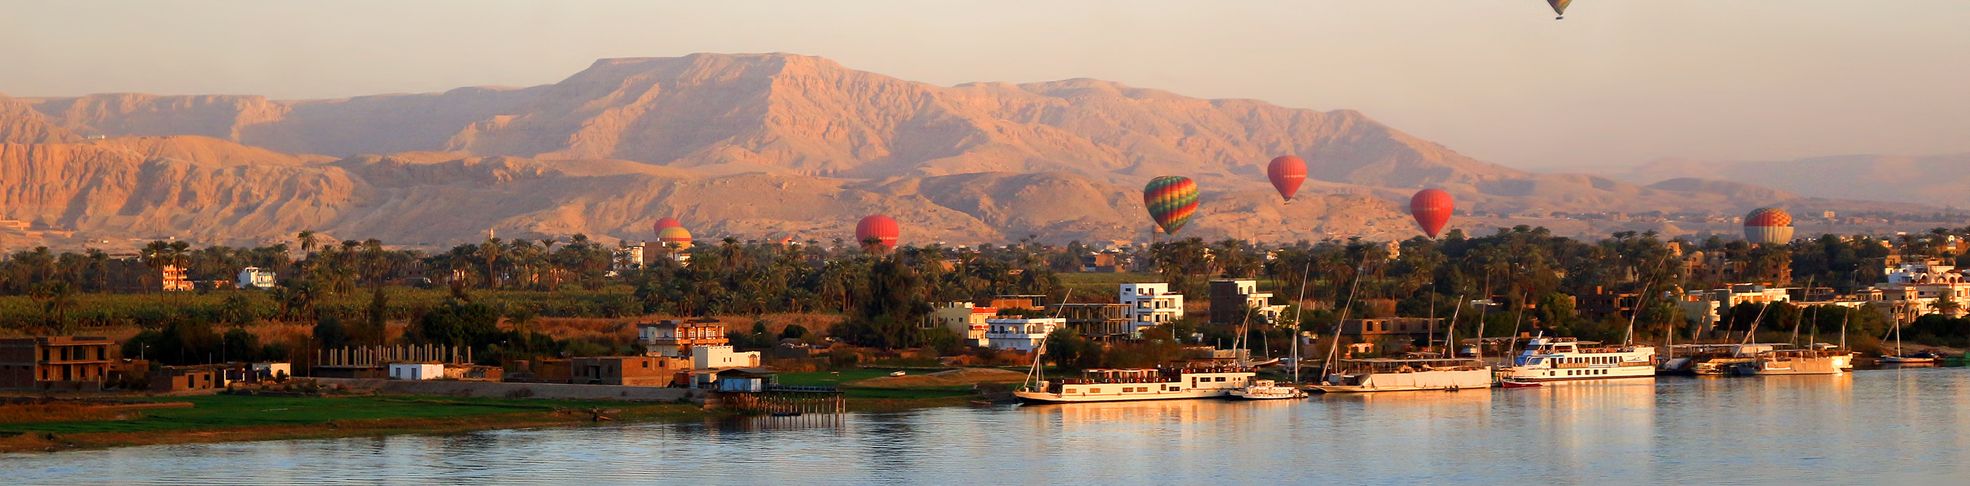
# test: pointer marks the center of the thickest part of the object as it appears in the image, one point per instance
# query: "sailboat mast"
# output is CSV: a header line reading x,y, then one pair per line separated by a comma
x,y
1035,375
1328,364
1299,305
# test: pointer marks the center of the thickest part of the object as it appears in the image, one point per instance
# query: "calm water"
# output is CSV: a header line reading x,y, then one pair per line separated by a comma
x,y
1870,427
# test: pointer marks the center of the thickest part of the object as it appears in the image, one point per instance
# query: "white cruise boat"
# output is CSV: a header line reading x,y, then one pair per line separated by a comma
x,y
1118,385
1267,390
1387,375
1568,359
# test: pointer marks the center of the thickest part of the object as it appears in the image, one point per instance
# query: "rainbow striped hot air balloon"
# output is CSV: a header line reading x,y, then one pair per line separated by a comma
x,y
1171,201
1768,226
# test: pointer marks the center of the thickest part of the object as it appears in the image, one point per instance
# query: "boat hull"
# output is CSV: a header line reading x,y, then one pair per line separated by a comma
x,y
1551,375
1031,397
1413,381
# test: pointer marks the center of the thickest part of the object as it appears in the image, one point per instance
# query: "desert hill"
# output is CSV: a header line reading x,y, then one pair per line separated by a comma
x,y
749,145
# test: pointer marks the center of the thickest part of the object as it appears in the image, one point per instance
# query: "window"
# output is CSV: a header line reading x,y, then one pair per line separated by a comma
x,y
1094,390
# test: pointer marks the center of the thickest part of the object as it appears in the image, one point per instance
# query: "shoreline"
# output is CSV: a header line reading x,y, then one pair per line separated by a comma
x,y
50,436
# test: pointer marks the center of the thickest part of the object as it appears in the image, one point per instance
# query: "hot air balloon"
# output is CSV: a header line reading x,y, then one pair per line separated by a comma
x,y
675,238
1431,208
666,222
1768,226
1171,201
880,228
1286,172
1559,8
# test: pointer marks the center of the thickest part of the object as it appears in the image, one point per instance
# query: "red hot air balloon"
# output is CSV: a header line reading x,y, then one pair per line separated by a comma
x,y
1431,208
1286,172
880,228
665,223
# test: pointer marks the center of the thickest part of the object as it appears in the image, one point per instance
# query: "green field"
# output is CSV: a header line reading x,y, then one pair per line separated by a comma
x,y
224,411
838,379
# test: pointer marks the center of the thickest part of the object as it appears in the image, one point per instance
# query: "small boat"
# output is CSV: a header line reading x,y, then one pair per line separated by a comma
x,y
1796,362
897,373
1267,390
1519,384
1117,385
1924,357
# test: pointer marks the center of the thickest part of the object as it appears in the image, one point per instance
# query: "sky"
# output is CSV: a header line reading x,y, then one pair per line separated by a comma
x,y
1618,83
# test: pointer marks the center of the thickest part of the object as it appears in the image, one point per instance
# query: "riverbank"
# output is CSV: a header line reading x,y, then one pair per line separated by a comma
x,y
225,418
56,425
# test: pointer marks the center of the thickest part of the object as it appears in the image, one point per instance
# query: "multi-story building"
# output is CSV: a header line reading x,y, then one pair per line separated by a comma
x,y
1095,320
1916,289
55,362
1020,333
964,319
255,278
1706,307
1150,305
171,278
1231,298
675,338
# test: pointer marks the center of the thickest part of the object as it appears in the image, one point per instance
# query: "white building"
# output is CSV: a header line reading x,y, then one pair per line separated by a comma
x,y
722,357
255,278
1150,304
1915,289
416,371
1020,334
1706,307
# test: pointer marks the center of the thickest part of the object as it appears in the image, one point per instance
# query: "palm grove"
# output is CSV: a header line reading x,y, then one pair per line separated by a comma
x,y
488,295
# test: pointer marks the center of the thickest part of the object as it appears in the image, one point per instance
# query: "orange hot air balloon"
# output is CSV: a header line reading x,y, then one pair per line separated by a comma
x,y
1431,208
675,237
880,229
666,222
1286,172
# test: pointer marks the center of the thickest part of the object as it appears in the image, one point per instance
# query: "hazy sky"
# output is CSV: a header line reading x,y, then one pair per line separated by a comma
x,y
1617,83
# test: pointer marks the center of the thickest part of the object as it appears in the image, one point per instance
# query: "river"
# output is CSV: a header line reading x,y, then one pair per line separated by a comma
x,y
1869,427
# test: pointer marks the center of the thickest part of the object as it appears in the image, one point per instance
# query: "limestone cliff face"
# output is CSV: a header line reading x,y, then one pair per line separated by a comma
x,y
19,123
750,146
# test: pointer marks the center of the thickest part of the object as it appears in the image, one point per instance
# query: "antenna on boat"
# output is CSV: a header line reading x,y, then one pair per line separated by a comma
x,y
1794,340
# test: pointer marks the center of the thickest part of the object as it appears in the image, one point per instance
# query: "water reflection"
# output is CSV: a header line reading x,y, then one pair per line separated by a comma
x,y
1886,426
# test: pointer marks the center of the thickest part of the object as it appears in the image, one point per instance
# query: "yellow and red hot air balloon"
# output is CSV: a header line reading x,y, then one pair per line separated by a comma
x,y
879,230
1431,208
1171,201
675,238
1286,173
1768,226
665,222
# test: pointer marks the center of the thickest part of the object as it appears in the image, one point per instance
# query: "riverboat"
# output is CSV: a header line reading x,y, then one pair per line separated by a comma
x,y
1118,385
1569,359
1391,375
1796,362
